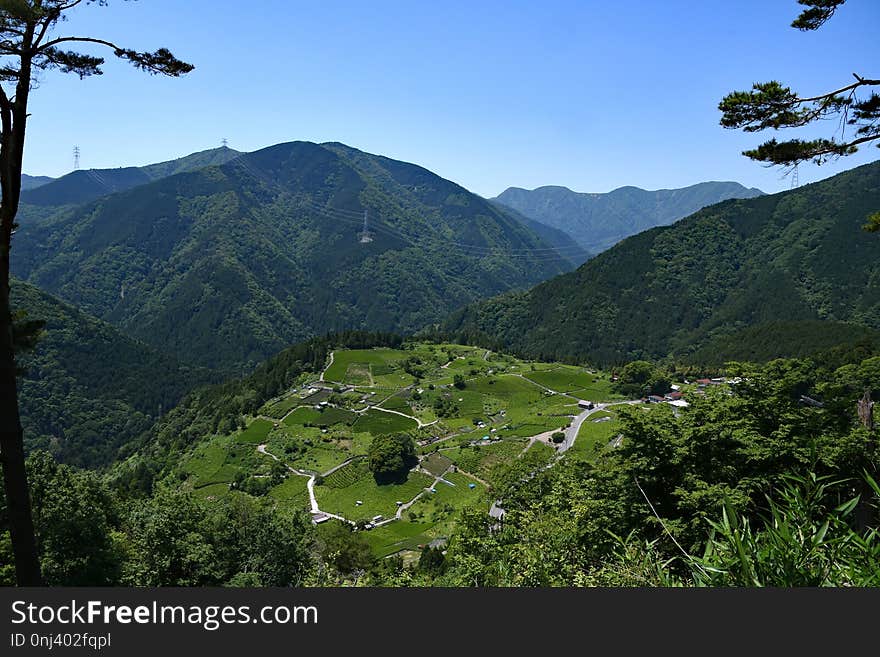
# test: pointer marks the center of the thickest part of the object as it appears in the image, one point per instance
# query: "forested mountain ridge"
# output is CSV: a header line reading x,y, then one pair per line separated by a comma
x,y
797,255
32,182
87,389
86,185
226,265
565,246
598,221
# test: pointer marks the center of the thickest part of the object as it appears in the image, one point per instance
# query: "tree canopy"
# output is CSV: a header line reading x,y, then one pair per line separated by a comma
x,y
391,456
773,105
30,44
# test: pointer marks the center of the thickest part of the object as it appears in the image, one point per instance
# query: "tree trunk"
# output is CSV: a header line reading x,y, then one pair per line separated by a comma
x,y
21,525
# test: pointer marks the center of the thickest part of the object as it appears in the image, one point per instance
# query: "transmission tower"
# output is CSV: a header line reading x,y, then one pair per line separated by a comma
x,y
365,235
224,142
76,158
794,178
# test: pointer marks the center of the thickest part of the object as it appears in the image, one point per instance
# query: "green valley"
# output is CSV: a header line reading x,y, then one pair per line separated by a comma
x,y
690,290
473,415
223,259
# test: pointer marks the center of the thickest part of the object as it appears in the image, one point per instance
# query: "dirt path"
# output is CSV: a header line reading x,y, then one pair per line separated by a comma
x,y
329,365
310,486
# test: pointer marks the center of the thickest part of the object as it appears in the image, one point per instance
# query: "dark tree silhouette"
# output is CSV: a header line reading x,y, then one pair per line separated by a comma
x,y
29,44
775,106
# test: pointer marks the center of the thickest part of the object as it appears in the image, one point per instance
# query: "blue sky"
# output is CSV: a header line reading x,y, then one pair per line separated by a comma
x,y
588,94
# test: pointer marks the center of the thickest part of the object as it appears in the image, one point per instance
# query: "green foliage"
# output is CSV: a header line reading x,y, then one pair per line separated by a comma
x,y
74,518
599,221
208,410
779,472
806,538
346,550
641,378
227,264
669,291
391,456
771,105
87,391
173,540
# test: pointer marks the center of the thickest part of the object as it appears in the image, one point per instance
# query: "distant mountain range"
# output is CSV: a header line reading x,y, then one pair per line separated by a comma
x,y
799,256
598,221
86,185
32,182
89,390
222,259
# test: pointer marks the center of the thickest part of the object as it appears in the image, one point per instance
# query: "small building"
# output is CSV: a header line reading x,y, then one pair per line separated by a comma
x,y
672,396
654,399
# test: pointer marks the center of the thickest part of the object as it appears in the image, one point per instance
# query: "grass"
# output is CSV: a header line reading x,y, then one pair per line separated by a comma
x,y
379,423
594,436
256,432
442,507
212,491
377,500
396,536
205,461
319,458
542,451
332,415
363,359
348,475
358,374
480,460
575,381
397,403
436,464
293,491
281,408
220,460
302,416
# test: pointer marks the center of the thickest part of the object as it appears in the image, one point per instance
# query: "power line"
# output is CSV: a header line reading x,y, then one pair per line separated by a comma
x,y
355,217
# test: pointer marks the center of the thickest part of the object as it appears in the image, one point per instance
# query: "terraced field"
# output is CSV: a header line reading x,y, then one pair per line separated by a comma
x,y
478,431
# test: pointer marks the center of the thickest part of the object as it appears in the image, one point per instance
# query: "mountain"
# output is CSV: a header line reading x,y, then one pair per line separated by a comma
x,y
88,390
226,265
32,182
564,245
794,256
599,221
87,185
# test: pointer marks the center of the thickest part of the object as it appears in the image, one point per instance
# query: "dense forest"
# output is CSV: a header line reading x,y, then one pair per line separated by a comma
x,y
793,256
87,390
771,482
598,221
225,265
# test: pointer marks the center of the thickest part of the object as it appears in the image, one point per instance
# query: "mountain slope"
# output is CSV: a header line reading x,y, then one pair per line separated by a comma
x,y
32,182
598,221
89,184
798,255
87,389
565,246
229,264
